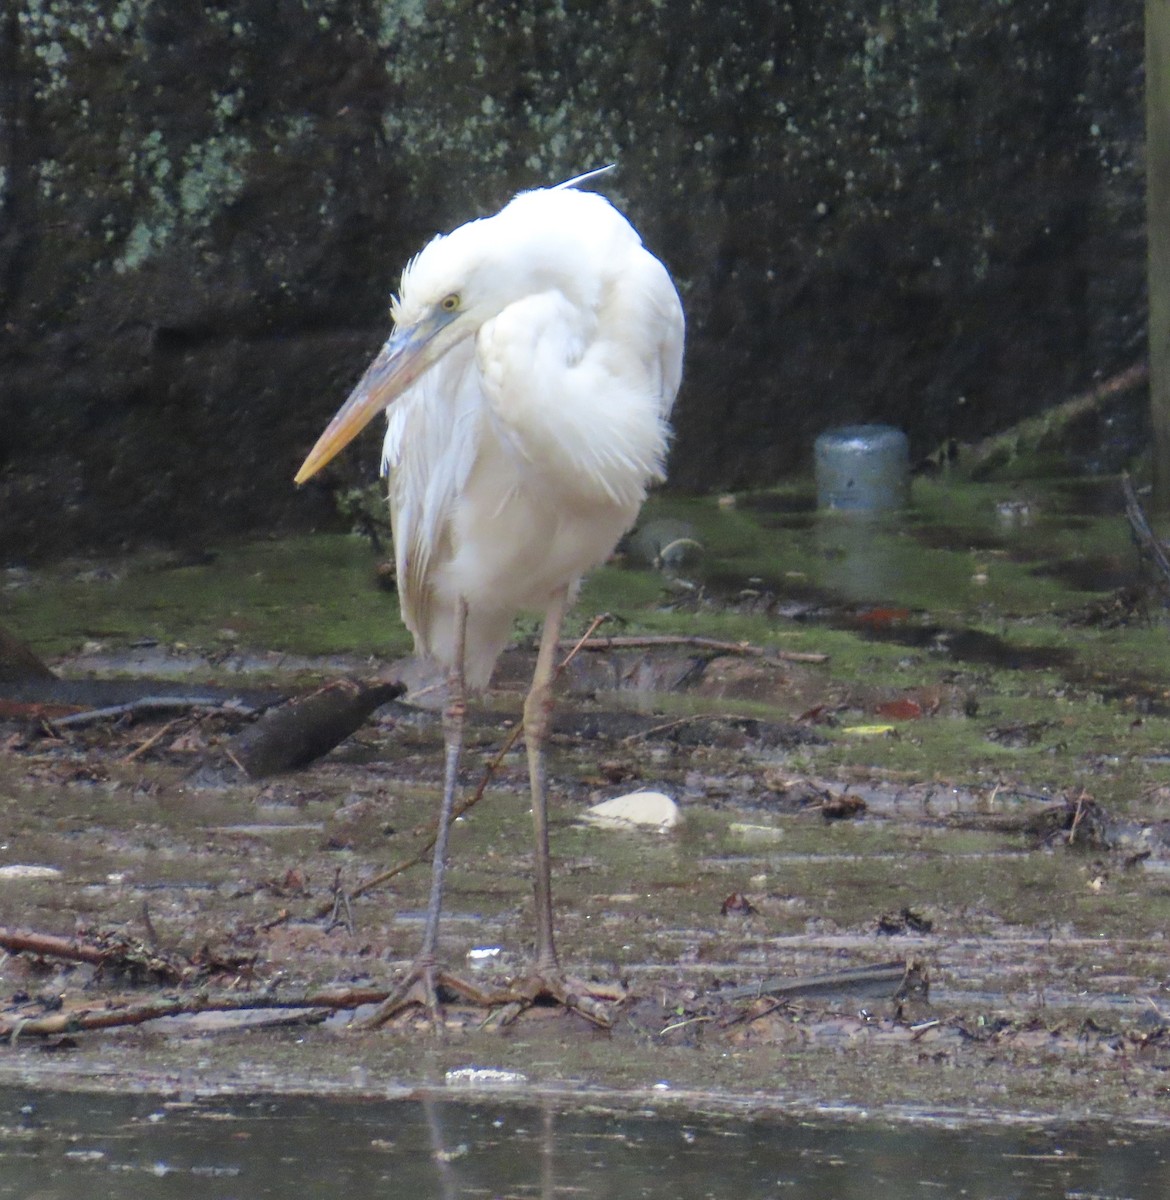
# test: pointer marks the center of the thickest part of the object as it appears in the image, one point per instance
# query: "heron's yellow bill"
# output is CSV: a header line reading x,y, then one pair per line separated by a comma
x,y
357,412
408,353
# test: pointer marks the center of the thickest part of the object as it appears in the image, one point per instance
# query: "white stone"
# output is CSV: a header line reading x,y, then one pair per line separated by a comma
x,y
484,1077
635,810
28,871
755,833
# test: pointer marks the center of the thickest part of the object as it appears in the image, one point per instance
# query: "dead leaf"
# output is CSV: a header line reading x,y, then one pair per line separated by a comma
x,y
737,905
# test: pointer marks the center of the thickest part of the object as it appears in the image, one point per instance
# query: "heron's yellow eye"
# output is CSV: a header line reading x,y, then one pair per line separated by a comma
x,y
449,303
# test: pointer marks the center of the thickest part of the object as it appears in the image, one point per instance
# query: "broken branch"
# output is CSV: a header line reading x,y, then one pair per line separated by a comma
x,y
78,1020
150,705
118,955
18,941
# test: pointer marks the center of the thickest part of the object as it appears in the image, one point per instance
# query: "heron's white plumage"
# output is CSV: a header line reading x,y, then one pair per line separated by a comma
x,y
529,381
524,451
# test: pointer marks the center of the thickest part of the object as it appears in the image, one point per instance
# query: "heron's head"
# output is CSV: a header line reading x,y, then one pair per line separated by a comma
x,y
427,324
539,241
458,282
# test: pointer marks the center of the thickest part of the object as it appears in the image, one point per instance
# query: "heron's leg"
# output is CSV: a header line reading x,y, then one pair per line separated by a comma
x,y
453,719
420,983
546,979
537,718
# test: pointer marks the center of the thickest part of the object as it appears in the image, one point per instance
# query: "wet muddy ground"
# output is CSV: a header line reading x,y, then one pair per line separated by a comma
x,y
973,784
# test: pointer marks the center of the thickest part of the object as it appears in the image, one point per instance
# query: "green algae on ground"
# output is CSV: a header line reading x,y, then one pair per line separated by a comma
x,y
308,595
1093,717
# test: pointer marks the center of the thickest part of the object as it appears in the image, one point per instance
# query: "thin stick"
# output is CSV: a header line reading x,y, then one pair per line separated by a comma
x,y
150,704
655,640
47,945
668,725
124,955
153,740
585,640
683,1024
1077,815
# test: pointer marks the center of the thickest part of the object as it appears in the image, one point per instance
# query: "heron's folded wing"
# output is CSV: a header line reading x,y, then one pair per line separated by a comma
x,y
430,448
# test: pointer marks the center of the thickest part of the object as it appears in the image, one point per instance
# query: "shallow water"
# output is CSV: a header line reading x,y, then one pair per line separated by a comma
x,y
68,1145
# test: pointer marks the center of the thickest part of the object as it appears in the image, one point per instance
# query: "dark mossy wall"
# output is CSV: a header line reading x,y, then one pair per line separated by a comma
x,y
925,212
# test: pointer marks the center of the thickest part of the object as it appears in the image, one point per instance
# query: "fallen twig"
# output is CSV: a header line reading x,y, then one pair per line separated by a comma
x,y
151,741
1031,433
1078,815
678,723
47,945
122,955
78,1020
152,704
311,1006
653,641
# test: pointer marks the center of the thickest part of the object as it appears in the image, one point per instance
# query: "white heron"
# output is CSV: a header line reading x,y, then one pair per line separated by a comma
x,y
528,380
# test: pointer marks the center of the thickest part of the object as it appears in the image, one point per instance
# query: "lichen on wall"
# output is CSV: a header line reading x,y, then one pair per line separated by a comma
x,y
209,176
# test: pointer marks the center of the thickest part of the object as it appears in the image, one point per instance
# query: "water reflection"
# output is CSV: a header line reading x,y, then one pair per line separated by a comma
x,y
66,1145
861,558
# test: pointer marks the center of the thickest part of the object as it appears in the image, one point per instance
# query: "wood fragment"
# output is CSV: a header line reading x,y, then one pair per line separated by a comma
x,y
306,727
713,645
13,1026
123,955
47,945
148,706
677,723
150,742
1078,816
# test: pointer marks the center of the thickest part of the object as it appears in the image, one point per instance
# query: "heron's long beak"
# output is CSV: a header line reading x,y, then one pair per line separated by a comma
x,y
408,353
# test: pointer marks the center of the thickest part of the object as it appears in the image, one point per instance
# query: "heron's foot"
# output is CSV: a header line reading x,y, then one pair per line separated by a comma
x,y
595,1002
422,988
